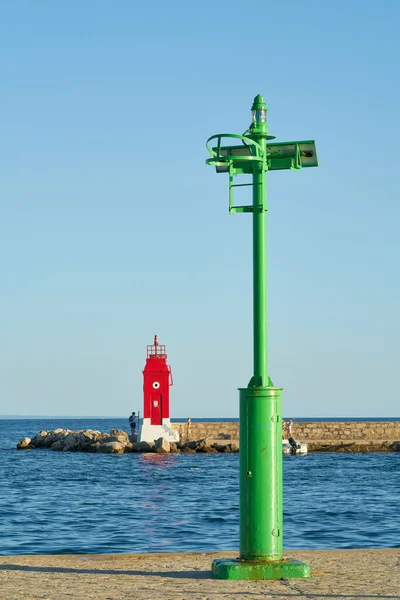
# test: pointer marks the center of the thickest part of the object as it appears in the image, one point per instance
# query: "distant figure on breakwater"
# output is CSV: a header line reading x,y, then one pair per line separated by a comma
x,y
188,429
132,423
294,444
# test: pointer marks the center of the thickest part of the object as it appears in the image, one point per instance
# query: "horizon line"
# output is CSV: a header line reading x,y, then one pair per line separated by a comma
x,y
13,416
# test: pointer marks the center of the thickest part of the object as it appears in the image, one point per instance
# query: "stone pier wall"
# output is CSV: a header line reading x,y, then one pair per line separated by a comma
x,y
306,432
214,431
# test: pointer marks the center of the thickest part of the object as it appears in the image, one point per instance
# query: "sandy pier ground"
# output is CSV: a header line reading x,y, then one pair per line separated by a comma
x,y
348,574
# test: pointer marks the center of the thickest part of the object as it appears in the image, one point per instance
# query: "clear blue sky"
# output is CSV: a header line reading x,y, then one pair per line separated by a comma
x,y
113,229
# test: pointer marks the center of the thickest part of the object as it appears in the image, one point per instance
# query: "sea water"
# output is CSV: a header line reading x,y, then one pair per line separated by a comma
x,y
62,502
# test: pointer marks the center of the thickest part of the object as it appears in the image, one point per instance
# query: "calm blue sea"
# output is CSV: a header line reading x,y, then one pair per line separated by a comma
x,y
55,502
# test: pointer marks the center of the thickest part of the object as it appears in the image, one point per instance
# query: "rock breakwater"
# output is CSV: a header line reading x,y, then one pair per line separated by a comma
x,y
118,442
211,437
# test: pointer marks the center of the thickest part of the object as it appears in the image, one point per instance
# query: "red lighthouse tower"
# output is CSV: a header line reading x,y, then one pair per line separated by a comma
x,y
157,379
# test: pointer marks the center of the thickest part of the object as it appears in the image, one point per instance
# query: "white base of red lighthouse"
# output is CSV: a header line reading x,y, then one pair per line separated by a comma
x,y
157,379
150,433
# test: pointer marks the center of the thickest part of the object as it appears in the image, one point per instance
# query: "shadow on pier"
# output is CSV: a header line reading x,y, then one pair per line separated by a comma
x,y
194,574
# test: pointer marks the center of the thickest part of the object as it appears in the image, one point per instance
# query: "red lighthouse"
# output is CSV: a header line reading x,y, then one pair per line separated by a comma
x,y
157,379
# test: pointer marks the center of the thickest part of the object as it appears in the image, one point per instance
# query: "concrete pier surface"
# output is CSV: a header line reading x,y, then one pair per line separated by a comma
x,y
348,574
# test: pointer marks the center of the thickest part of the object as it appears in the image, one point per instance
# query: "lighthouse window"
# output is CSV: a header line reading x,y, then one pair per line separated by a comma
x,y
156,385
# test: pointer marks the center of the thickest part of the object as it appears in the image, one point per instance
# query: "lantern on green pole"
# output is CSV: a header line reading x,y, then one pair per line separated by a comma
x,y
260,429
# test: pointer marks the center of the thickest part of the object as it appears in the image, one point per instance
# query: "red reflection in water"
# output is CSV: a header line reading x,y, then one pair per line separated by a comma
x,y
160,460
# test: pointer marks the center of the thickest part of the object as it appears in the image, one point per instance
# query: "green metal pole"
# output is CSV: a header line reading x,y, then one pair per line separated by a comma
x,y
260,376
260,429
260,405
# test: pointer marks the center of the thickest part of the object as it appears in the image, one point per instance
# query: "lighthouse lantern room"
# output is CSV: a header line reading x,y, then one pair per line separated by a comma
x,y
157,379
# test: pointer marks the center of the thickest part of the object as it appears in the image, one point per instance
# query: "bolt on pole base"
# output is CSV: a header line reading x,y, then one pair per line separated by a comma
x,y
235,568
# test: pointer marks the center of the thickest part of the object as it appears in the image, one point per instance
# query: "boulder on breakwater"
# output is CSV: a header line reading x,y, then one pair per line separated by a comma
x,y
117,442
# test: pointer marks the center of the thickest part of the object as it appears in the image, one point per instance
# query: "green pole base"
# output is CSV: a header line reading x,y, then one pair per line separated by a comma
x,y
234,568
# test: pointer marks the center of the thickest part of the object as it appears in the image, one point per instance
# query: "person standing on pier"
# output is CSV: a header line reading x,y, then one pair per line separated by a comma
x,y
132,423
188,429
